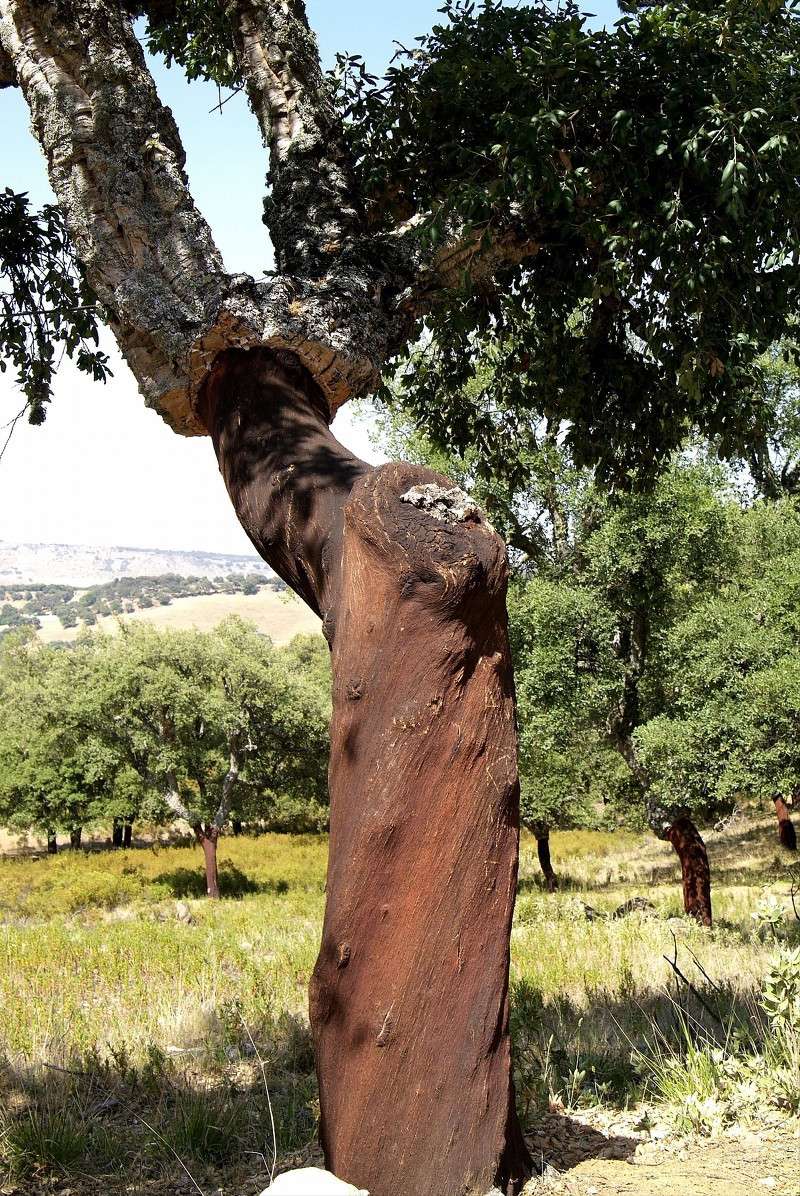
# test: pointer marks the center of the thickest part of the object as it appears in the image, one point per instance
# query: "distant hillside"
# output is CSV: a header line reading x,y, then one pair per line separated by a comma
x,y
281,616
82,566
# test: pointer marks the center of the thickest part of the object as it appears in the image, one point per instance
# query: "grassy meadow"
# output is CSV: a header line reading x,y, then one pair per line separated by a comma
x,y
150,1040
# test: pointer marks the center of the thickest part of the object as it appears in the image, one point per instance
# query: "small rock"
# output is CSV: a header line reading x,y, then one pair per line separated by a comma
x,y
183,913
768,1182
311,1181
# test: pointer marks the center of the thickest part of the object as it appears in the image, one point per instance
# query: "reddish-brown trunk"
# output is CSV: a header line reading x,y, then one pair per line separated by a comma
x,y
409,998
786,831
691,851
207,838
543,852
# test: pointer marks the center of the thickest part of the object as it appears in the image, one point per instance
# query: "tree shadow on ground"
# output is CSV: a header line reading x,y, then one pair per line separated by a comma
x,y
101,1123
601,1051
233,882
558,1141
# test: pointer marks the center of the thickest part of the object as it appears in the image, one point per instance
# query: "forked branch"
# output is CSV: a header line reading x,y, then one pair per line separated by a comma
x,y
116,163
8,76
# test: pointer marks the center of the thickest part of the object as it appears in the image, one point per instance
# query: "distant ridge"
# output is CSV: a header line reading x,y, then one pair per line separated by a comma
x,y
91,565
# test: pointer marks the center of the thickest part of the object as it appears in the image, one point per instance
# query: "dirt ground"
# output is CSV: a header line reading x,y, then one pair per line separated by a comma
x,y
578,1155
598,1156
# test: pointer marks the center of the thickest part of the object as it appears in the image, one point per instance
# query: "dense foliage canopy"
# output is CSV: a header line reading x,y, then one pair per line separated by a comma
x,y
653,165
129,727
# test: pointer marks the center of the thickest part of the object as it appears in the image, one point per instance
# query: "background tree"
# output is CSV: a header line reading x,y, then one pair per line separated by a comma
x,y
212,722
626,203
49,775
728,728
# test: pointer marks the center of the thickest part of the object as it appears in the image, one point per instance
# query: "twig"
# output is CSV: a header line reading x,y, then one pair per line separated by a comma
x,y
12,424
703,972
218,107
262,1065
689,985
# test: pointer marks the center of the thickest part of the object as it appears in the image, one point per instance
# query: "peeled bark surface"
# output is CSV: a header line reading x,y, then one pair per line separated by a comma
x,y
545,863
786,831
409,998
691,851
208,842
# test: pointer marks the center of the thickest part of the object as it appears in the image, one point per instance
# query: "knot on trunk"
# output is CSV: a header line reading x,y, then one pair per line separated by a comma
x,y
446,560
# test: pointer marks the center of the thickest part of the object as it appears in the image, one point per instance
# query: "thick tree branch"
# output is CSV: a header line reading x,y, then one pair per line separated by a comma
x,y
8,76
345,298
310,211
116,164
173,802
230,780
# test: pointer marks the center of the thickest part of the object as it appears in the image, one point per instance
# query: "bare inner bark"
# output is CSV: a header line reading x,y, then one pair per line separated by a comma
x,y
409,999
545,863
786,832
691,851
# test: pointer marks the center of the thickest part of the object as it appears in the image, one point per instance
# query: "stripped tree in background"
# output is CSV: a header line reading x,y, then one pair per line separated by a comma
x,y
626,203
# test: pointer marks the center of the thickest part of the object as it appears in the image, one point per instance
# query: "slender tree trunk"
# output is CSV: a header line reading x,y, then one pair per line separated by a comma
x,y
127,835
409,998
691,851
207,837
75,837
52,844
543,852
116,834
786,831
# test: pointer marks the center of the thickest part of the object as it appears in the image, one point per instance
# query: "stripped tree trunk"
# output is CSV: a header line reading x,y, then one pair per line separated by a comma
x,y
691,851
542,833
543,851
786,831
409,999
208,837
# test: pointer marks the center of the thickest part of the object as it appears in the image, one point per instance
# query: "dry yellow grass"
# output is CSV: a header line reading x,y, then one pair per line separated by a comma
x,y
275,615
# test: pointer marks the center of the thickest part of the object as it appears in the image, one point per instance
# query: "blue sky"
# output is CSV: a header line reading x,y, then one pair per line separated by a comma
x,y
103,469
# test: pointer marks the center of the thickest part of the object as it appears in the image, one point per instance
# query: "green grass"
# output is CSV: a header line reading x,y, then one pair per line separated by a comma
x,y
130,1039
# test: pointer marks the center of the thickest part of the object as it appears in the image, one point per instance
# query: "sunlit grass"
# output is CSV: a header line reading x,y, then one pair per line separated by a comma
x,y
170,1033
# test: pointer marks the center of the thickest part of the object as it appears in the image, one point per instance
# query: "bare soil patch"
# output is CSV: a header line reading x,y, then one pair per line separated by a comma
x,y
601,1155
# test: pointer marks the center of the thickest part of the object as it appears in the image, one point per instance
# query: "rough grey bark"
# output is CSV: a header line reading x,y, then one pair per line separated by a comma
x,y
310,211
116,162
8,76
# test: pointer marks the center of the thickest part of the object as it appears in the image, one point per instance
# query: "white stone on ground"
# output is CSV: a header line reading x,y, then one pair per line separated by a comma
x,y
310,1181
